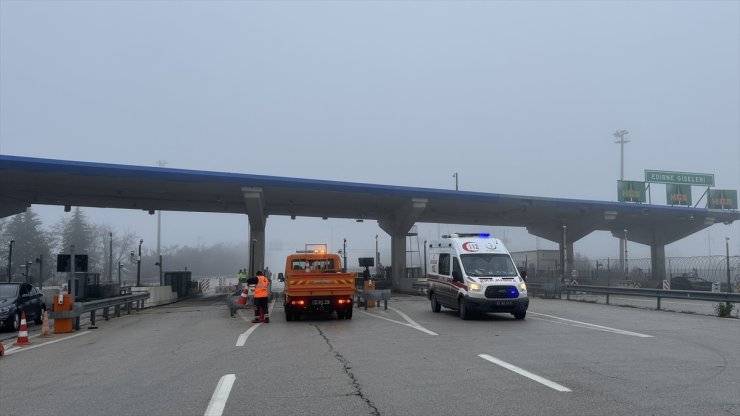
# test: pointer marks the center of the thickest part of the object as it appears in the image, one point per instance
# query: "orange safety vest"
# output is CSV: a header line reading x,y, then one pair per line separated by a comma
x,y
260,291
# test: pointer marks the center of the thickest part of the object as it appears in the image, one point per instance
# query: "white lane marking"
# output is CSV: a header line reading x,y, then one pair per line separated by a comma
x,y
220,396
525,373
30,347
411,323
590,326
243,337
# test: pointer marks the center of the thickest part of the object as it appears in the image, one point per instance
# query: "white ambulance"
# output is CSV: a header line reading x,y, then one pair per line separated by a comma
x,y
474,273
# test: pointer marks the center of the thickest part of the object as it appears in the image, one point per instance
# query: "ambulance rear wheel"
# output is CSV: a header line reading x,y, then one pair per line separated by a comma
x,y
436,307
463,310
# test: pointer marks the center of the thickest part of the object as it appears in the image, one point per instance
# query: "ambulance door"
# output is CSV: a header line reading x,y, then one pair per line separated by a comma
x,y
445,287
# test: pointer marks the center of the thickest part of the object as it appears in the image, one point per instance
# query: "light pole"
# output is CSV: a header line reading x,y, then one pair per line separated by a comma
x,y
619,134
138,265
344,253
454,175
727,258
626,262
40,261
10,258
27,266
110,258
161,164
120,265
377,257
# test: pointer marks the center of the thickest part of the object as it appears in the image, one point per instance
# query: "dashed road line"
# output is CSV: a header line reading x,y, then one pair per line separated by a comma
x,y
580,324
220,396
525,373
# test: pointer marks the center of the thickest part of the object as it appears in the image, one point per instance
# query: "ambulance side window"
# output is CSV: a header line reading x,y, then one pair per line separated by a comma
x,y
456,270
444,264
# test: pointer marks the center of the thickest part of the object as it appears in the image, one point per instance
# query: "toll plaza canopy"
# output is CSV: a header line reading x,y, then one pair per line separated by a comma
x,y
25,181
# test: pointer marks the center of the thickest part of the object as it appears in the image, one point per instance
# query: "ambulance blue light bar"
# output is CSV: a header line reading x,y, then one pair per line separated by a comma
x,y
454,235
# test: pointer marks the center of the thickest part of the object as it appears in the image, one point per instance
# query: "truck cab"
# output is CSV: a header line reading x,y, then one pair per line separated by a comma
x,y
474,273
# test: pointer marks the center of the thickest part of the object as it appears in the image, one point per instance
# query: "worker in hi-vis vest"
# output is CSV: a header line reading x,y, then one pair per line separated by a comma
x,y
261,293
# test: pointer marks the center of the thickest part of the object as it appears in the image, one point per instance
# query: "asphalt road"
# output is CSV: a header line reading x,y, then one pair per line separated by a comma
x,y
567,358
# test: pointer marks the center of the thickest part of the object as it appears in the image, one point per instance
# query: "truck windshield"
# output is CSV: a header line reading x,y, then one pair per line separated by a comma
x,y
314,264
488,265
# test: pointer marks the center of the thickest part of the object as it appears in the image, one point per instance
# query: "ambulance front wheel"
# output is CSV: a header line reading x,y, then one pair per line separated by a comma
x,y
463,310
436,307
520,315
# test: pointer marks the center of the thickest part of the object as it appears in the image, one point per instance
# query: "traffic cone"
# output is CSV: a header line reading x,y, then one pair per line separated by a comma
x,y
45,330
22,333
242,298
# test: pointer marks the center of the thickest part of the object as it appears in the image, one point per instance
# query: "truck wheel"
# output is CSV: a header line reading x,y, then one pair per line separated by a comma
x,y
436,307
463,311
340,314
348,314
288,314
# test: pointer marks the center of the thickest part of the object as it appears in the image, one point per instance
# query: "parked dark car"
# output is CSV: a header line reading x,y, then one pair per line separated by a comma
x,y
16,298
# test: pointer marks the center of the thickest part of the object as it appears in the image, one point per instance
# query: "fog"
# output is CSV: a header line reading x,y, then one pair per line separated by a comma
x,y
515,97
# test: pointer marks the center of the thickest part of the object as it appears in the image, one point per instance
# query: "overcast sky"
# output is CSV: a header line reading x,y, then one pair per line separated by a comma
x,y
518,97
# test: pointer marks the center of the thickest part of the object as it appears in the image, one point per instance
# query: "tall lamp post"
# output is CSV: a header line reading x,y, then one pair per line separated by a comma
x,y
344,252
40,261
10,258
619,134
138,265
454,175
727,258
377,257
161,164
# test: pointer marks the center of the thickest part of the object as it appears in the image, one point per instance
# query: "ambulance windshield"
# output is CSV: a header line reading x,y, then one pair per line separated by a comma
x,y
488,265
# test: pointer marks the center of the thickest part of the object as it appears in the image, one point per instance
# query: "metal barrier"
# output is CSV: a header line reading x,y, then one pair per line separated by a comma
x,y
656,293
377,294
104,304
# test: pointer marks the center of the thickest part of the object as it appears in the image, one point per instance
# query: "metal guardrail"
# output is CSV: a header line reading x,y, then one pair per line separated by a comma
x,y
656,293
105,304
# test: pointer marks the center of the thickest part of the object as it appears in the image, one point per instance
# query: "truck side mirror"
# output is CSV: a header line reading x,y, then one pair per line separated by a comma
x,y
281,278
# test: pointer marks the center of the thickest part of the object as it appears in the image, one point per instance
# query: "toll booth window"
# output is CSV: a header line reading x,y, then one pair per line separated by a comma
x,y
444,264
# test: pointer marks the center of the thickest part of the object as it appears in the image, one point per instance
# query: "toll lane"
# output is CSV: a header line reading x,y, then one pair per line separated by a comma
x,y
170,360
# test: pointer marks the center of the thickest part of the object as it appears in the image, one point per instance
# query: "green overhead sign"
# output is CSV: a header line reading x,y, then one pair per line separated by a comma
x,y
679,178
678,194
722,199
631,191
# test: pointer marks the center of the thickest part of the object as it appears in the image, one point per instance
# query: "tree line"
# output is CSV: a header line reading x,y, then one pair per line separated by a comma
x,y
28,252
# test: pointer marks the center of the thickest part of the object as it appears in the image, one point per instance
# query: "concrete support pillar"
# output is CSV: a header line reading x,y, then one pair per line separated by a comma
x,y
657,262
259,248
398,257
254,204
397,226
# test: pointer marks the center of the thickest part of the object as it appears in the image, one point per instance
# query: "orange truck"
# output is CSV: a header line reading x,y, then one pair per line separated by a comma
x,y
314,282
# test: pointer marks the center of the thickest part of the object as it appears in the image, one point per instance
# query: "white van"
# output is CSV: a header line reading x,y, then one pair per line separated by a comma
x,y
474,273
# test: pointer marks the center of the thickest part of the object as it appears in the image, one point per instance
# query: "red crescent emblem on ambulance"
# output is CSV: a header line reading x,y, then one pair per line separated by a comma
x,y
470,246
